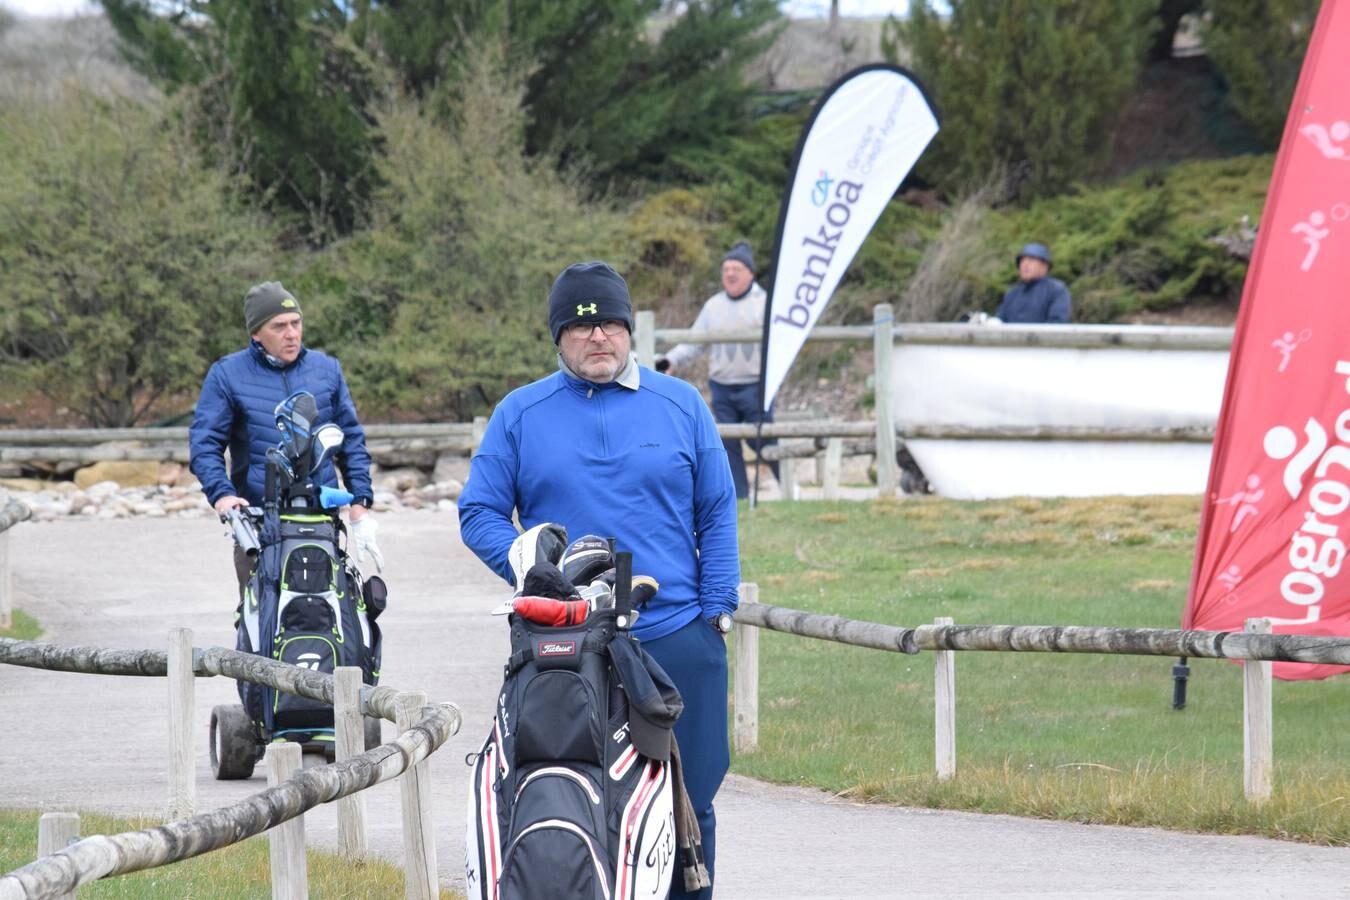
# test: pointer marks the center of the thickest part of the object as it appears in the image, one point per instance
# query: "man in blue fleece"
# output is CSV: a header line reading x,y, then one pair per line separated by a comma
x,y
605,447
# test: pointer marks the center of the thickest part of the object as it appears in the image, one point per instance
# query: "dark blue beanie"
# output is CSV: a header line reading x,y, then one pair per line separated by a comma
x,y
588,292
741,253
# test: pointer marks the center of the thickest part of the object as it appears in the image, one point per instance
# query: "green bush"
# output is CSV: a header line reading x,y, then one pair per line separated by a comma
x,y
123,255
439,307
1142,243
1027,84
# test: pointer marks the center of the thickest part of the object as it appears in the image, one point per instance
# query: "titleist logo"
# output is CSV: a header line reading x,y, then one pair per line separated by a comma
x,y
556,648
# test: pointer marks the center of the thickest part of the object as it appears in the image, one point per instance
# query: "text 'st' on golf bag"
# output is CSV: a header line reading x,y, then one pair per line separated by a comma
x,y
576,790
305,605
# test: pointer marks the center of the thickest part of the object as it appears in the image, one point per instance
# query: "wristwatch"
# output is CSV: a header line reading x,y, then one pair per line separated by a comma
x,y
363,501
722,622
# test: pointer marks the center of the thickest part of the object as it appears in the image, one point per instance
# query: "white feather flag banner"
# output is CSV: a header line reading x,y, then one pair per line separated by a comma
x,y
867,132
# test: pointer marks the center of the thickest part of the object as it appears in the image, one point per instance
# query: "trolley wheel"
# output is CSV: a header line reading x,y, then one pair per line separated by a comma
x,y
234,745
372,726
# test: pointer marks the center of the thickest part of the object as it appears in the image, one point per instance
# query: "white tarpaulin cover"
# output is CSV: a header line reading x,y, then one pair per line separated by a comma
x,y
1041,386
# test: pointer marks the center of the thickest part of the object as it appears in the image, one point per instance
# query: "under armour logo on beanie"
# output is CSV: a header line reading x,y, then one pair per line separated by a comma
x,y
588,292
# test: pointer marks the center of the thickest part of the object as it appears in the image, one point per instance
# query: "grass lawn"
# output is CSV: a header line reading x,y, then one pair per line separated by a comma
x,y
1089,738
232,873
23,627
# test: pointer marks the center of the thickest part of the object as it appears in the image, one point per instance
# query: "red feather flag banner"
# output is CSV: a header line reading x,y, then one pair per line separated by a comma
x,y
1275,526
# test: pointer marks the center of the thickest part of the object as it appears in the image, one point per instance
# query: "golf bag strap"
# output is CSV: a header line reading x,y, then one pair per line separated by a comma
x,y
687,835
595,642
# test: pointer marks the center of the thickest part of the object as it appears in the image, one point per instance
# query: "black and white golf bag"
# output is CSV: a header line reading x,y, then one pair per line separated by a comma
x,y
577,790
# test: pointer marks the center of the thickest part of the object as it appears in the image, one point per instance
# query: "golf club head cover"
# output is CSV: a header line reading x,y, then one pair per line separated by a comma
x,y
544,580
548,611
644,589
586,559
542,543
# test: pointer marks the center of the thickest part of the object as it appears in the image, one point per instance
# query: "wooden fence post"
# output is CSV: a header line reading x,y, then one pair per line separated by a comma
x,y
1256,717
182,695
290,872
745,697
351,741
56,831
644,338
6,583
476,438
787,478
419,843
834,458
944,707
883,342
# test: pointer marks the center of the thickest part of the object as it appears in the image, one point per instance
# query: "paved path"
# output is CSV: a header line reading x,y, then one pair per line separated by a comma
x,y
100,743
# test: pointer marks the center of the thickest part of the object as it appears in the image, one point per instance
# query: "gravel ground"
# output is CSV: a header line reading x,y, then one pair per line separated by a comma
x,y
72,741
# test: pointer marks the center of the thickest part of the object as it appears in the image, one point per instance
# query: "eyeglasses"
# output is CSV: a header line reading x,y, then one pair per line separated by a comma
x,y
578,330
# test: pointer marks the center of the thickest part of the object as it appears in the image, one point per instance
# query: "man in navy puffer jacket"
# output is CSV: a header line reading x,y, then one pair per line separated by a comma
x,y
237,410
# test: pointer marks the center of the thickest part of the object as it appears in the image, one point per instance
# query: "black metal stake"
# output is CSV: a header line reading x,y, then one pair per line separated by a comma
x,y
1181,673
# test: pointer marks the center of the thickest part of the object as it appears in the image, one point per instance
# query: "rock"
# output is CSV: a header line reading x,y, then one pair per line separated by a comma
x,y
445,505
451,489
450,467
101,491
170,472
80,502
10,470
402,479
126,472
24,485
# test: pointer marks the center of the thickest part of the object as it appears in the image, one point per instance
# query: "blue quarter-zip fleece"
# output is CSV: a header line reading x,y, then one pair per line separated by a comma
x,y
645,466
236,410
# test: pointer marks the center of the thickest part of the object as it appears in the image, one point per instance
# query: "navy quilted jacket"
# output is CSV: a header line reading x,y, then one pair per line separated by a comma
x,y
237,410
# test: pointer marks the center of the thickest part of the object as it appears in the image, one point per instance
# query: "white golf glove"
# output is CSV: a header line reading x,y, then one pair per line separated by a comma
x,y
363,540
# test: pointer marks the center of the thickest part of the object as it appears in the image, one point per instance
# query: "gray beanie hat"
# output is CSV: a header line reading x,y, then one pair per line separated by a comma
x,y
740,252
265,301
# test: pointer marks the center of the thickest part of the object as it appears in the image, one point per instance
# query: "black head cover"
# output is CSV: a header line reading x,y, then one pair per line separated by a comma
x,y
586,559
544,580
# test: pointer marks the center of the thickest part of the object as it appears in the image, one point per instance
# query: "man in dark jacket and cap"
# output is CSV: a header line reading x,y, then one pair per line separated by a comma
x,y
237,410
1037,297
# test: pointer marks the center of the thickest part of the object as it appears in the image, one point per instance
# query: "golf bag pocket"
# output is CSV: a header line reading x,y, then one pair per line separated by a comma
x,y
559,719
572,857
318,653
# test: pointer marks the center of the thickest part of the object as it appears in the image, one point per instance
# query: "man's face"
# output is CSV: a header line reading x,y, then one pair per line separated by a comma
x,y
736,278
591,352
1029,268
280,336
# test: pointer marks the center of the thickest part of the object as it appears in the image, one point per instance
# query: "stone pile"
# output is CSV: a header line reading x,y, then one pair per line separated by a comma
x,y
181,497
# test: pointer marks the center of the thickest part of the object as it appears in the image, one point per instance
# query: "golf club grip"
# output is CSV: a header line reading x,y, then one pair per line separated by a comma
x,y
623,583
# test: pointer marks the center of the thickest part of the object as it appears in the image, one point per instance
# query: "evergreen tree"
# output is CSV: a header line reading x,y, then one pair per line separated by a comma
x,y
618,85
1258,47
279,91
1032,85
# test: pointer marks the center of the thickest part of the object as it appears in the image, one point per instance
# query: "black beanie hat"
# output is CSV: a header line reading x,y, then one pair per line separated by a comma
x,y
740,252
588,292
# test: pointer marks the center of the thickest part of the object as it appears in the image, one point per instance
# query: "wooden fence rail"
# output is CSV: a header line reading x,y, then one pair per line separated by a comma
x,y
1255,646
102,856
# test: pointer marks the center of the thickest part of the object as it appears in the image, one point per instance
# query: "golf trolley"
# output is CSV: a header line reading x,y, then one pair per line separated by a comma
x,y
305,602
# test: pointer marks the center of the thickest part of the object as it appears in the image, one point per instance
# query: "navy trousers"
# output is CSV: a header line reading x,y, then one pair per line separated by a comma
x,y
736,403
695,658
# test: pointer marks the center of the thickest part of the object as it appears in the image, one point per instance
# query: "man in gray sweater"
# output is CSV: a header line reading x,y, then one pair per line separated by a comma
x,y
733,369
